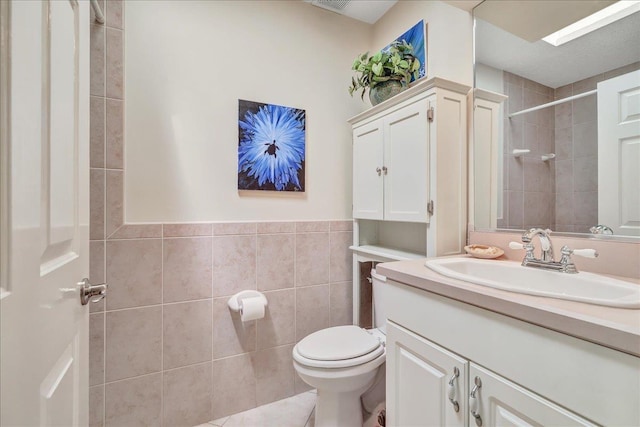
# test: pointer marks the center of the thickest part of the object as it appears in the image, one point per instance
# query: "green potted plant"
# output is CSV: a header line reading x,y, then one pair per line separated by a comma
x,y
386,73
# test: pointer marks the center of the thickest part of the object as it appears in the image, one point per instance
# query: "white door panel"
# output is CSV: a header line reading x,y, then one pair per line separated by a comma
x,y
406,158
367,171
619,154
503,403
418,375
44,328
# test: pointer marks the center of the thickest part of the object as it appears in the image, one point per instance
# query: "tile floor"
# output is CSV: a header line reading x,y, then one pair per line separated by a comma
x,y
296,411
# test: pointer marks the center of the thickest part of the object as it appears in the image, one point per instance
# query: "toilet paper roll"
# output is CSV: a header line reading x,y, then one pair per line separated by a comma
x,y
252,309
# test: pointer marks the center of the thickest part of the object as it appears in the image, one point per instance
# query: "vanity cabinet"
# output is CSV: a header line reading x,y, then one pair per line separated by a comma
x,y
527,375
429,385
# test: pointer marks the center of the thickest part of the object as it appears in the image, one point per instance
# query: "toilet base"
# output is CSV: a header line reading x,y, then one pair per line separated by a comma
x,y
344,407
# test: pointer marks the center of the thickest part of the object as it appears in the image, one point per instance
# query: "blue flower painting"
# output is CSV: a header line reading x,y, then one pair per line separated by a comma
x,y
415,36
271,147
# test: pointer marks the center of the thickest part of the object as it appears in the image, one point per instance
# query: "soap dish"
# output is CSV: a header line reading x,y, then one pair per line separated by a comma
x,y
484,251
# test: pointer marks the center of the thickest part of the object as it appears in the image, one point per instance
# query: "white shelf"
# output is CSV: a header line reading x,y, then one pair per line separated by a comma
x,y
383,254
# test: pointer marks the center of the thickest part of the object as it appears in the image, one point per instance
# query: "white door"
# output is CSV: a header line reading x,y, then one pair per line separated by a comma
x,y
498,402
367,171
422,384
619,154
406,163
45,193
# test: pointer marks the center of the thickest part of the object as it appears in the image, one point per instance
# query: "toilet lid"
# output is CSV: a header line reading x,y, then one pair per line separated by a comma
x,y
338,343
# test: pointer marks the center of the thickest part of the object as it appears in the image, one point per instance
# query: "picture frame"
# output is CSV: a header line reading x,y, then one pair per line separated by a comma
x,y
271,147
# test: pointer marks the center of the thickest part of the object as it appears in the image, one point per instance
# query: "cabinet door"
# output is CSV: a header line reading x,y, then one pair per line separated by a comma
x,y
406,159
418,377
503,403
367,171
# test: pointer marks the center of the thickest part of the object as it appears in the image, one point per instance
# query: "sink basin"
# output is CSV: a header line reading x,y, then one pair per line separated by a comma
x,y
511,276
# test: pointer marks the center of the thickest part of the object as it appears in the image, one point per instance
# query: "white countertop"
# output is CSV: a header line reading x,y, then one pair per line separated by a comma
x,y
616,328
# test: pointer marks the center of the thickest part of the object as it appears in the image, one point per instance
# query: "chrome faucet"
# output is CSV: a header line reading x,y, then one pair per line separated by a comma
x,y
601,229
546,260
545,242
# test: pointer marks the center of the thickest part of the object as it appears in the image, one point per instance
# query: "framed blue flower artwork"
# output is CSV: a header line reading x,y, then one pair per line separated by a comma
x,y
417,37
271,147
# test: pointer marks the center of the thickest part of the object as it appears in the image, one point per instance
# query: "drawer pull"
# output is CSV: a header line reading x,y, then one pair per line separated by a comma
x,y
452,389
473,402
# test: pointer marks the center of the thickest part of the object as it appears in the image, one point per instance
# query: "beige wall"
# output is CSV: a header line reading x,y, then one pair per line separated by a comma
x,y
164,336
188,63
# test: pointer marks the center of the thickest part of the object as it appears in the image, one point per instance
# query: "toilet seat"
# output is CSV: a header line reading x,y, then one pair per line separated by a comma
x,y
338,347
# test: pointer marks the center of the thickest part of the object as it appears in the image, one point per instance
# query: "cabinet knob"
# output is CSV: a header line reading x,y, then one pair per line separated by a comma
x,y
474,406
379,171
384,170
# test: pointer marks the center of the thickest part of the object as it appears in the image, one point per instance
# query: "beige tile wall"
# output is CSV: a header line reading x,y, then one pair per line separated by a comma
x,y
529,183
165,350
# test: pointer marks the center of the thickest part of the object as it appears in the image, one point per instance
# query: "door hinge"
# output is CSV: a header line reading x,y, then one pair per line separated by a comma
x,y
430,114
430,207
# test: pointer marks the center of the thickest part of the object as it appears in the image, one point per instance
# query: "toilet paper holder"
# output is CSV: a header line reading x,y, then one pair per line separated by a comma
x,y
235,302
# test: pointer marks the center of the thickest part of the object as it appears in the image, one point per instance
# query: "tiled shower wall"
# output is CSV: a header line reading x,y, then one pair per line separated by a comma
x,y
529,186
576,129
561,194
165,350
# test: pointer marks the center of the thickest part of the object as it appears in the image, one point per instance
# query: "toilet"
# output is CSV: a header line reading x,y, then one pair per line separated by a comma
x,y
344,363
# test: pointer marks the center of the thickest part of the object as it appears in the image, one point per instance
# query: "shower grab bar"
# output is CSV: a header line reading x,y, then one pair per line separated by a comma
x,y
551,104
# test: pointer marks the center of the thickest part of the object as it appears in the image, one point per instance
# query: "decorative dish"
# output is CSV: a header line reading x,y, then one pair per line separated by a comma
x,y
484,251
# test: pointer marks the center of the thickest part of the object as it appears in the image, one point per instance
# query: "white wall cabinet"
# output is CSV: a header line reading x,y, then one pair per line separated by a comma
x,y
410,176
527,375
391,166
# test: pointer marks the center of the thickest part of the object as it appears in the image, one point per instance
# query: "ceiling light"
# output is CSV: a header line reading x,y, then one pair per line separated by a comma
x,y
606,16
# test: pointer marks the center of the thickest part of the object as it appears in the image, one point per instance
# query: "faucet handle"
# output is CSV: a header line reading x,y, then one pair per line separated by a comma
x,y
516,245
567,263
587,253
527,246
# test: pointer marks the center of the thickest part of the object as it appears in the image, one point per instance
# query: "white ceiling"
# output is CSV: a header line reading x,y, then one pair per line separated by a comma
x,y
610,47
534,19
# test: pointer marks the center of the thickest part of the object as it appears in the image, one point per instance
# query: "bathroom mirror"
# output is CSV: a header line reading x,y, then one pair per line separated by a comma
x,y
548,167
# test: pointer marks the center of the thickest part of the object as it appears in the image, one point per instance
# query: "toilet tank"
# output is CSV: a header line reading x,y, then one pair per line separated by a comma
x,y
379,313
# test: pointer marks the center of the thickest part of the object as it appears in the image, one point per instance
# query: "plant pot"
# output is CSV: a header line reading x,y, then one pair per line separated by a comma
x,y
384,90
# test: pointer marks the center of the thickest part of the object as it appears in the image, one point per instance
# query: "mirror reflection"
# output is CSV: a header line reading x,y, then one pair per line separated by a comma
x,y
556,128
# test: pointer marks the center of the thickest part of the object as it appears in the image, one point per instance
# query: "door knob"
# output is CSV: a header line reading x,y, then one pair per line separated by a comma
x,y
89,292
